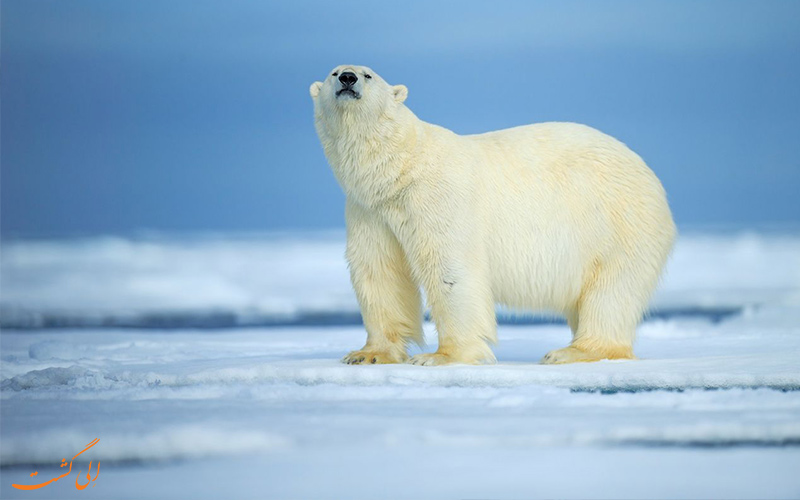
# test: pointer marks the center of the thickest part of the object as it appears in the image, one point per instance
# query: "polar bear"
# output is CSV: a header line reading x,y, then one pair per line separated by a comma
x,y
551,216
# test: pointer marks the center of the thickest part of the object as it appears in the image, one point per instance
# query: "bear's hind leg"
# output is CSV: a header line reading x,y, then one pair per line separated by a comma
x,y
610,307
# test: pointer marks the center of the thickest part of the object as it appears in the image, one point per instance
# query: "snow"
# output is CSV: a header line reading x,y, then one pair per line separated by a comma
x,y
711,409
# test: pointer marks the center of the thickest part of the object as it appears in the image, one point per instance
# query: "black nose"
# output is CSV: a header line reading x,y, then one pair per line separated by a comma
x,y
348,78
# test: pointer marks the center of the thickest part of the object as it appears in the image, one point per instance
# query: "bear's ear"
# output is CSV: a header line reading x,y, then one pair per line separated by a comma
x,y
400,93
314,89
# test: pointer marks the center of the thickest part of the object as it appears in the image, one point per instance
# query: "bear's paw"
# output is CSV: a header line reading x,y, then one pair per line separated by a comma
x,y
432,359
574,354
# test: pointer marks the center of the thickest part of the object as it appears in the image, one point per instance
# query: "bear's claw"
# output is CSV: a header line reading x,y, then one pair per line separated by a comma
x,y
567,355
372,357
431,359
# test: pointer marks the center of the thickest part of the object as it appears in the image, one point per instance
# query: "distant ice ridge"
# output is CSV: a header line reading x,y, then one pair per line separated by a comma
x,y
205,281
303,280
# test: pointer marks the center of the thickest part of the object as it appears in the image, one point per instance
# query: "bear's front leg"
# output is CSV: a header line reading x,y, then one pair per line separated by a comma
x,y
462,306
389,299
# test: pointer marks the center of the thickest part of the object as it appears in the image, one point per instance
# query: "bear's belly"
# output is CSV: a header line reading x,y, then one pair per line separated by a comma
x,y
536,271
539,249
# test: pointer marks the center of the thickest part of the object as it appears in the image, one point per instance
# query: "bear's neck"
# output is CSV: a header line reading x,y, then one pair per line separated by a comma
x,y
372,159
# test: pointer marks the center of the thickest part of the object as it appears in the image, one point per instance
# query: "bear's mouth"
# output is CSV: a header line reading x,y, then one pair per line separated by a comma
x,y
348,92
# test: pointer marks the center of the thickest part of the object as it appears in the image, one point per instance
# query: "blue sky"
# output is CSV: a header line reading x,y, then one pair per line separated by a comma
x,y
194,115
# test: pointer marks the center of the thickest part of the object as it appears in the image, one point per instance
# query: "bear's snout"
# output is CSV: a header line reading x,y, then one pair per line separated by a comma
x,y
348,78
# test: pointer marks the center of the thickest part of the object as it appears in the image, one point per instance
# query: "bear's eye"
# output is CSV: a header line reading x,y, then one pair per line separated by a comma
x,y
367,76
335,73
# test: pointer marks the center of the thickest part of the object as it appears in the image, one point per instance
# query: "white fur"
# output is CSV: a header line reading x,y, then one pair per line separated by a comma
x,y
551,216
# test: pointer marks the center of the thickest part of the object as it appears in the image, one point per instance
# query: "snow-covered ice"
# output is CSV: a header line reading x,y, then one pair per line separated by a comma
x,y
710,410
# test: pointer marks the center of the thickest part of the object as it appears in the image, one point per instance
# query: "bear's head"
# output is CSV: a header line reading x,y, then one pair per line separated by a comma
x,y
356,89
